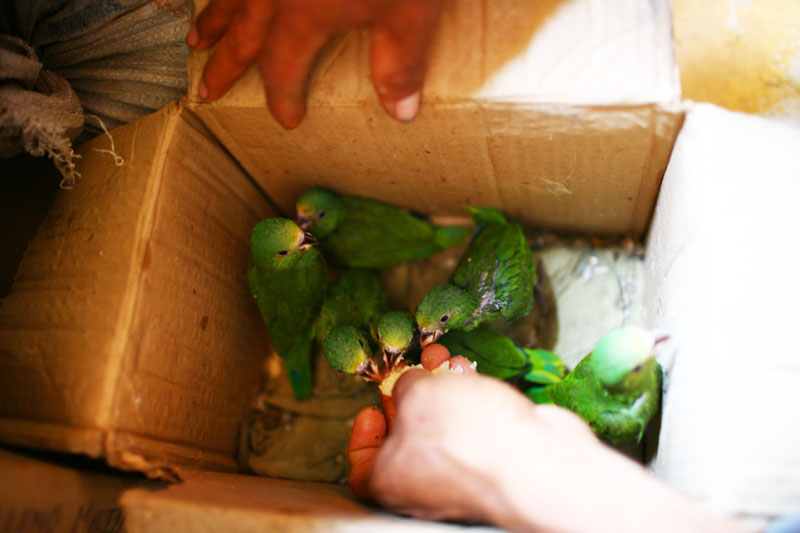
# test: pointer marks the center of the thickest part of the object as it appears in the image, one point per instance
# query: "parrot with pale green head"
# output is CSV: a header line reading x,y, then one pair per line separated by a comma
x,y
364,233
287,280
395,334
355,299
347,350
498,356
494,278
616,388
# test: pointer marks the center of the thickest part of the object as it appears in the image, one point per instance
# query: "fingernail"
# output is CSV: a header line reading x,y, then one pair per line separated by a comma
x,y
289,113
191,37
406,109
202,90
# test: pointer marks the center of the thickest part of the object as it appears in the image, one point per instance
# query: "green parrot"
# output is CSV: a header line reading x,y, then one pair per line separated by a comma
x,y
616,388
347,350
356,299
287,280
364,233
395,333
498,356
495,277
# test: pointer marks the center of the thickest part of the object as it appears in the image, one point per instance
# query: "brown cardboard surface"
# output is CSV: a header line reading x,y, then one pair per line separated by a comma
x,y
129,332
38,494
64,310
209,501
567,168
576,167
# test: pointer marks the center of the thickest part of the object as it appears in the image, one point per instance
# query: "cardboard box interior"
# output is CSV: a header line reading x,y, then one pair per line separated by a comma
x,y
149,351
561,113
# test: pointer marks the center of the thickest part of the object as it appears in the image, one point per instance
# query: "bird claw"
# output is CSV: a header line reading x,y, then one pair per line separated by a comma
x,y
369,371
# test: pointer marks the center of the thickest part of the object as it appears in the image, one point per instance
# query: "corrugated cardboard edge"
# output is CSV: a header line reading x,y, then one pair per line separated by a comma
x,y
123,450
212,501
38,493
89,441
115,454
496,120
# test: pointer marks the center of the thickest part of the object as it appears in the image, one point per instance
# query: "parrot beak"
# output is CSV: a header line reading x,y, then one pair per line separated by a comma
x,y
427,336
303,220
392,356
308,241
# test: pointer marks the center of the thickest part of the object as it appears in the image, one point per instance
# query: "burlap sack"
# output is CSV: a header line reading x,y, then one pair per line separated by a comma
x,y
39,111
122,59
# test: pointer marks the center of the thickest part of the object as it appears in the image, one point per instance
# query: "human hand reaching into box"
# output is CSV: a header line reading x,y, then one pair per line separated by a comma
x,y
467,447
283,37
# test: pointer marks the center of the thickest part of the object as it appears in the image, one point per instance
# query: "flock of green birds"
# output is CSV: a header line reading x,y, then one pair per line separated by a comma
x,y
616,388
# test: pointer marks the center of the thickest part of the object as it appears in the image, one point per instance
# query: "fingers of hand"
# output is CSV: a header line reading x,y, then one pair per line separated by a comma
x,y
212,22
433,356
369,432
241,44
292,45
466,366
400,44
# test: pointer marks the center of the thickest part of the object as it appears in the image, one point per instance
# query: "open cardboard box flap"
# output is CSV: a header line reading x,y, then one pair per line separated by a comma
x,y
561,113
128,333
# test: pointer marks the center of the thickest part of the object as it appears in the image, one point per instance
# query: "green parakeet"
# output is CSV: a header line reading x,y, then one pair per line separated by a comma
x,y
287,280
616,388
347,350
364,233
356,299
495,277
395,334
498,356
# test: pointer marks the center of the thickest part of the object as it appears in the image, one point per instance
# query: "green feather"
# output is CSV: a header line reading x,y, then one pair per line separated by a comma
x,y
356,299
346,349
448,236
498,356
546,367
496,276
364,233
617,412
482,215
288,297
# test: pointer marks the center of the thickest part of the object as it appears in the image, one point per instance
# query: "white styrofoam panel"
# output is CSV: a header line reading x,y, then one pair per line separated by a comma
x,y
723,279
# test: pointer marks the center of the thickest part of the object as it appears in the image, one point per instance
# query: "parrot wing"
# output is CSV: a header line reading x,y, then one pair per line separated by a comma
x,y
372,234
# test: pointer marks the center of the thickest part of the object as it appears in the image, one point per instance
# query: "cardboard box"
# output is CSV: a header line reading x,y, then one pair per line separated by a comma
x,y
129,333
39,494
213,501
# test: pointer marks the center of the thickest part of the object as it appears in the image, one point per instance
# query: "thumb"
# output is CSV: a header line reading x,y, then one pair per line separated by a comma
x,y
400,44
366,439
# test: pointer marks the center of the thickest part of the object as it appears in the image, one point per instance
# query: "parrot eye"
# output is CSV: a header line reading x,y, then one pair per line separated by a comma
x,y
444,318
283,252
361,343
322,214
637,368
